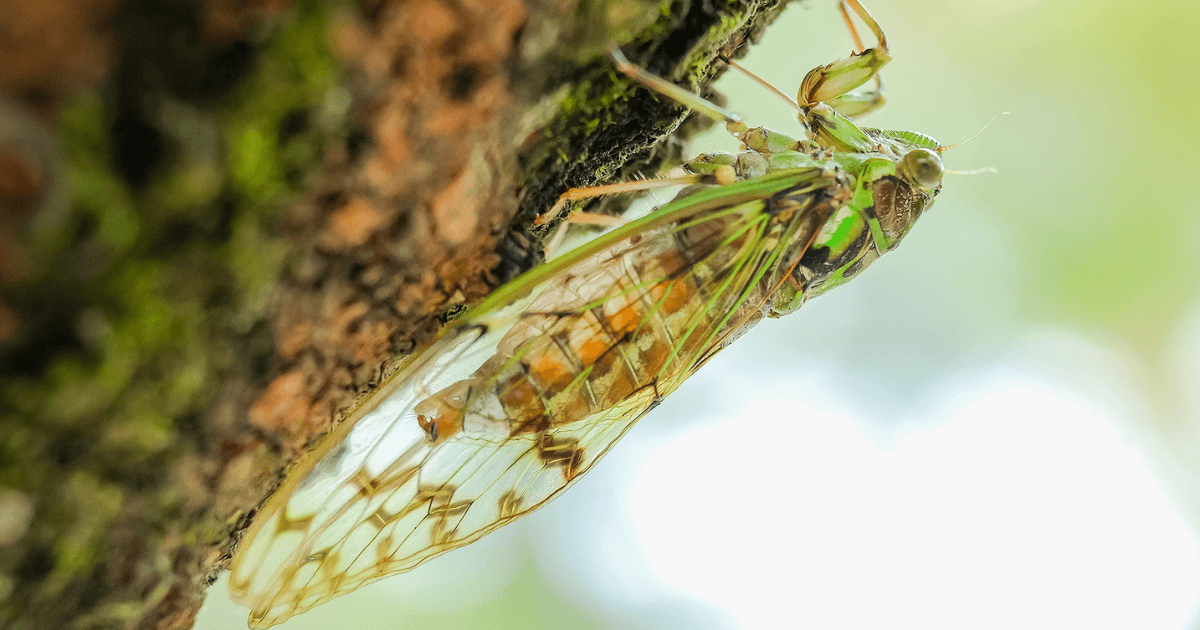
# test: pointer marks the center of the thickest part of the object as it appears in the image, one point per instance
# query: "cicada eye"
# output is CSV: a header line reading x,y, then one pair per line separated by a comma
x,y
923,168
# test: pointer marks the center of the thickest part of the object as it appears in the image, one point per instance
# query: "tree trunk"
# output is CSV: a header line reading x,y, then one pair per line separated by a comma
x,y
221,221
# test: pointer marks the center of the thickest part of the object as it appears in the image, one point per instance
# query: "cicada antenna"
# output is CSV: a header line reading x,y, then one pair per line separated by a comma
x,y
981,130
976,171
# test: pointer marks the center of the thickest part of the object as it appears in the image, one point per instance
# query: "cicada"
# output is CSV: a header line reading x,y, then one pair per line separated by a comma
x,y
527,391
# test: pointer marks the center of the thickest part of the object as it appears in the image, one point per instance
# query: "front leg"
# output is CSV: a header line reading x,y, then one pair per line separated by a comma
x,y
828,83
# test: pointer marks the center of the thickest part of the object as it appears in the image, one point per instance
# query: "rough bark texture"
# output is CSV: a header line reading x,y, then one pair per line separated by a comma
x,y
222,221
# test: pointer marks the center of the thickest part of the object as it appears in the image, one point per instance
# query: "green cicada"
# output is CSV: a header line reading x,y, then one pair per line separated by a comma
x,y
523,394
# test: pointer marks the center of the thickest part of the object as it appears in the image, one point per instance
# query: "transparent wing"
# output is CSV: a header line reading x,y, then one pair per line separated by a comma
x,y
512,405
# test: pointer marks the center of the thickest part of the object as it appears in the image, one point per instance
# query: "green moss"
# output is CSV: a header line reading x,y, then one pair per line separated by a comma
x,y
141,435
297,72
151,289
206,533
97,506
99,196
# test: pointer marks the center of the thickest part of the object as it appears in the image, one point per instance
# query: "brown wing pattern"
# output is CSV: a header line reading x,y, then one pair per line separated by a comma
x,y
507,409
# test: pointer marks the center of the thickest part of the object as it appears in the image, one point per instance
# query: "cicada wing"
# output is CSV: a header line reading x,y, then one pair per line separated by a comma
x,y
542,387
386,498
457,492
294,554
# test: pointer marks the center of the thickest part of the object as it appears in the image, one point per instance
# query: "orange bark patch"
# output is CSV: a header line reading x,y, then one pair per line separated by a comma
x,y
435,22
292,340
391,165
354,223
451,119
225,20
456,209
348,39
237,477
338,319
10,323
366,347
283,405
53,46
21,183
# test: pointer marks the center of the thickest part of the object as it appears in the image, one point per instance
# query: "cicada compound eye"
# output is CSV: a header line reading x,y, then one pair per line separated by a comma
x,y
923,168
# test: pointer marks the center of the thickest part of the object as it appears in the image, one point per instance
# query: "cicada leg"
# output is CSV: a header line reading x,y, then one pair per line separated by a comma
x,y
760,81
834,81
725,176
579,218
849,104
576,194
858,103
826,97
733,122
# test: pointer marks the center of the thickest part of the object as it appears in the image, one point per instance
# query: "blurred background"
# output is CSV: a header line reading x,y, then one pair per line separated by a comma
x,y
994,427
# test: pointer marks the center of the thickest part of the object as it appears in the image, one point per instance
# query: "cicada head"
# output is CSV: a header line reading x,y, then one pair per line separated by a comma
x,y
900,199
922,168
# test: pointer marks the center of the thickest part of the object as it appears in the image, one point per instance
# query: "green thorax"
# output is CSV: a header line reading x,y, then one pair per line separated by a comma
x,y
889,190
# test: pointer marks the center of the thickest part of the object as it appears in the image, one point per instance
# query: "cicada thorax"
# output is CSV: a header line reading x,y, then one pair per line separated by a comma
x,y
884,208
897,206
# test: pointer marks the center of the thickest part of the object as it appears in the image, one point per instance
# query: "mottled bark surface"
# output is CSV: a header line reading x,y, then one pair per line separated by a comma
x,y
222,221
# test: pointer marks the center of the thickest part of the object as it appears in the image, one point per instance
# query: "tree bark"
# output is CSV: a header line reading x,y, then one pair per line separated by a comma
x,y
222,221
